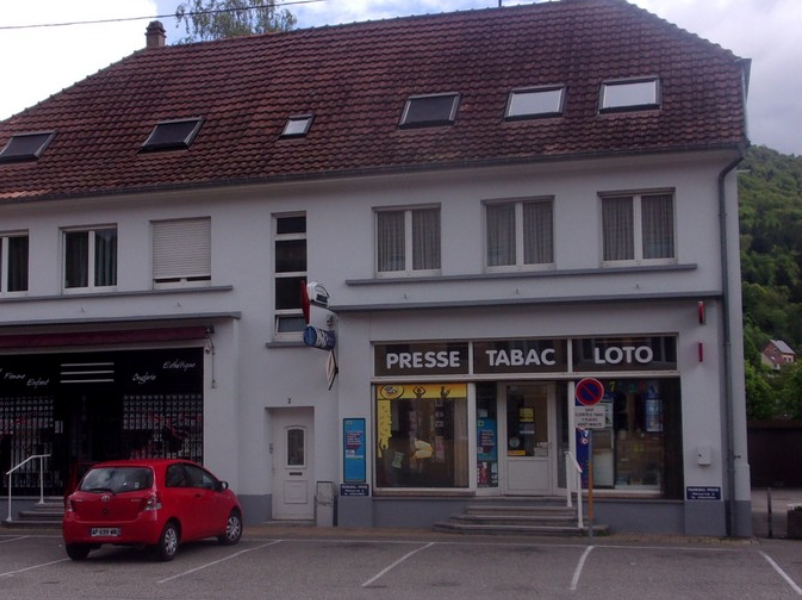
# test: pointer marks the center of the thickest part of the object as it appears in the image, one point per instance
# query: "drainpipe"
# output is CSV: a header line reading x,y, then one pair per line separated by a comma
x,y
729,415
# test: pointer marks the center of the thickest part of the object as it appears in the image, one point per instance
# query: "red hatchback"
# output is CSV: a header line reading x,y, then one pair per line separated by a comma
x,y
150,502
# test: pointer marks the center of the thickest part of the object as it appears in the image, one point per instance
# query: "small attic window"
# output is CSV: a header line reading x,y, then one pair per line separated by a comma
x,y
425,111
535,102
630,94
297,126
26,146
168,135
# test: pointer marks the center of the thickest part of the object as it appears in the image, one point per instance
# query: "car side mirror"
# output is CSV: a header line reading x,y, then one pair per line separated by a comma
x,y
222,486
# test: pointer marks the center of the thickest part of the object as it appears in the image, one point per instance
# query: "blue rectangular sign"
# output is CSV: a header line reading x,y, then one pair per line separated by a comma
x,y
702,492
354,450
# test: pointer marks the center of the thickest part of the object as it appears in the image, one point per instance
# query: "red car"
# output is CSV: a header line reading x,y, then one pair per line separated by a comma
x,y
150,502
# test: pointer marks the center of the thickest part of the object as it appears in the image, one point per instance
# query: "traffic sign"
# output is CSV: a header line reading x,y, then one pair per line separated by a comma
x,y
589,391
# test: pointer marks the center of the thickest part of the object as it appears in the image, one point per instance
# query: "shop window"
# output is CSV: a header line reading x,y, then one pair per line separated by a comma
x,y
408,241
422,436
486,436
90,258
289,238
163,426
520,234
640,449
638,228
13,263
182,252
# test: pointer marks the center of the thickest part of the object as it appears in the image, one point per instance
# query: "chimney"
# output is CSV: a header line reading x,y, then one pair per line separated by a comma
x,y
155,35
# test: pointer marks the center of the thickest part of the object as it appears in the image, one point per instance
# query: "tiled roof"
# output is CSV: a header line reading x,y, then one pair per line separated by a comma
x,y
355,80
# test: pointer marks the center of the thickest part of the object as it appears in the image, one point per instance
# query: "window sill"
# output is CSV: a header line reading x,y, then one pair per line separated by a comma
x,y
528,274
118,294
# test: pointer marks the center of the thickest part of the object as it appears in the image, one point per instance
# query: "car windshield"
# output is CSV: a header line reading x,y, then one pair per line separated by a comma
x,y
117,479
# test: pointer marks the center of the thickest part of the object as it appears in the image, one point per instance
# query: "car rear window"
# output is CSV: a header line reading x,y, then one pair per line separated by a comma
x,y
117,479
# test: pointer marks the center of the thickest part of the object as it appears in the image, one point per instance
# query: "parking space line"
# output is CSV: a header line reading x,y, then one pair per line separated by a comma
x,y
217,562
782,573
395,564
16,538
31,568
580,565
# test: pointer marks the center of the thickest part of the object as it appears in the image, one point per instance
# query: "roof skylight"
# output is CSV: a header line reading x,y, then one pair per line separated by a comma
x,y
26,146
297,126
535,102
630,94
168,135
424,111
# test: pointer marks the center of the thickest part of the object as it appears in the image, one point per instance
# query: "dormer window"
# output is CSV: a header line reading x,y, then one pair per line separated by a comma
x,y
171,135
297,126
630,94
428,111
535,102
26,146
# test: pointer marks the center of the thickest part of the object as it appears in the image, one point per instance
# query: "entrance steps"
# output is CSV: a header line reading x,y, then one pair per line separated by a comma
x,y
518,516
46,515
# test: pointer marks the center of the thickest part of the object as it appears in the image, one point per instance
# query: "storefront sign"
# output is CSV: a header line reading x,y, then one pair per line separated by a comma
x,y
703,493
354,450
520,356
625,354
422,359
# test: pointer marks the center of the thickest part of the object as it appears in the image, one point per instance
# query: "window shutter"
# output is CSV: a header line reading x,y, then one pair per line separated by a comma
x,y
182,250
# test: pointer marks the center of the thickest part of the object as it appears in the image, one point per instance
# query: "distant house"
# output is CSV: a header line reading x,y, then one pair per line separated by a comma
x,y
776,354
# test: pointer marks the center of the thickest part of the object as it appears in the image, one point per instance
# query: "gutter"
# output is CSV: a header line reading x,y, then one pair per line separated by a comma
x,y
729,413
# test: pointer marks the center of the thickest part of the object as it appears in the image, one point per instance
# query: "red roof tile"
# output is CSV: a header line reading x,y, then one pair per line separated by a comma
x,y
355,80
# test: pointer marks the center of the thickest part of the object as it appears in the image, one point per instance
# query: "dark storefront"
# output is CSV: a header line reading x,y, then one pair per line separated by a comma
x,y
85,407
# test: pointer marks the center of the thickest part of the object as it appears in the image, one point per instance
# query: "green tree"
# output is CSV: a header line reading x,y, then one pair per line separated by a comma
x,y
207,20
760,397
791,378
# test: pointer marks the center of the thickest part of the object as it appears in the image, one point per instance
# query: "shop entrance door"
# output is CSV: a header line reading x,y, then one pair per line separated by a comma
x,y
293,469
528,430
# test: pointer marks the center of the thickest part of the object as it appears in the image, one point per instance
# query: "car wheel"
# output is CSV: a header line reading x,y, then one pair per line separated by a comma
x,y
77,551
233,529
167,547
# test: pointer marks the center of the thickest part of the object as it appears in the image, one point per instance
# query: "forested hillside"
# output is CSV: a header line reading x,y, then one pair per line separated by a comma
x,y
771,263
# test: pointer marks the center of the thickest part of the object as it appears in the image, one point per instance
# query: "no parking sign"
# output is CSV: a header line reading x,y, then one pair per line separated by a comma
x,y
588,414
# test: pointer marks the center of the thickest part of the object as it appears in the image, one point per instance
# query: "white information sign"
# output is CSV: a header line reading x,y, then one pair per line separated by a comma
x,y
589,417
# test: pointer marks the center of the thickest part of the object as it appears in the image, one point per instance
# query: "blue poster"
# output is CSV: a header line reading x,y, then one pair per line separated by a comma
x,y
354,450
583,450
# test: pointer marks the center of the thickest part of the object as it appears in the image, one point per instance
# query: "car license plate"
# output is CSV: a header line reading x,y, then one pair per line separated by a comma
x,y
105,531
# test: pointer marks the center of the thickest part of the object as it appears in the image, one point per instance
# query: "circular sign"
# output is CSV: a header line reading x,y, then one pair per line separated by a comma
x,y
589,391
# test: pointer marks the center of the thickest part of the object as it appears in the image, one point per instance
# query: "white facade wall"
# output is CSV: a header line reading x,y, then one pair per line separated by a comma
x,y
247,374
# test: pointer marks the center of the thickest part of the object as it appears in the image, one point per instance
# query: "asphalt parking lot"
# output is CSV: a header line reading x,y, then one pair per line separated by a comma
x,y
333,564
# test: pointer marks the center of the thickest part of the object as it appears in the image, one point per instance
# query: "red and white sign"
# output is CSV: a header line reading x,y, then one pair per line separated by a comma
x,y
589,392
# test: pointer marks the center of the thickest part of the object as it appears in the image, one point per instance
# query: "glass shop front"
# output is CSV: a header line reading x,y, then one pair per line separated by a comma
x,y
498,417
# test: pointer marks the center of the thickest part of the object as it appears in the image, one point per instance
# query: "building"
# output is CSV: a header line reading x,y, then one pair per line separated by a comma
x,y
503,206
777,354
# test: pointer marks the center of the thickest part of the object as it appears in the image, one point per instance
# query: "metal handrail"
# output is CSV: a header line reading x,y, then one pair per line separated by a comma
x,y
570,461
41,458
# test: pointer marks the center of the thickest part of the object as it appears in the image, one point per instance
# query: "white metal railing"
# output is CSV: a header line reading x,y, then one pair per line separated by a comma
x,y
41,458
572,465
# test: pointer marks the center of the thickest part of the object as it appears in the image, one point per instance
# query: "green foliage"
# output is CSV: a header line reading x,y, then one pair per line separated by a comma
x,y
206,20
770,190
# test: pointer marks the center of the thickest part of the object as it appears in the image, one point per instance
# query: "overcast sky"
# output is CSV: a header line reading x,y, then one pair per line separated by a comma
x,y
41,61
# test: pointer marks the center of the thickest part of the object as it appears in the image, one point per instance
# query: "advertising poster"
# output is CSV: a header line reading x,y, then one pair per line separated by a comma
x,y
354,450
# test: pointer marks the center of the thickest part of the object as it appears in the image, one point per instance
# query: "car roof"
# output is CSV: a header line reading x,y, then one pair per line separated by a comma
x,y
155,463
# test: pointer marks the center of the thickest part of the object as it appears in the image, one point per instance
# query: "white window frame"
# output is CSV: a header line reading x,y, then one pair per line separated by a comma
x,y
182,252
291,313
409,258
637,225
520,250
90,287
5,263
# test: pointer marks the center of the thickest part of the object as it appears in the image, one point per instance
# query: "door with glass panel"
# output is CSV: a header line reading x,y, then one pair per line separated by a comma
x,y
529,461
293,470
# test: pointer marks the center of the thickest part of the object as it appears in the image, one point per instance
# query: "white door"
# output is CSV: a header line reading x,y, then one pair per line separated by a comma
x,y
293,470
528,431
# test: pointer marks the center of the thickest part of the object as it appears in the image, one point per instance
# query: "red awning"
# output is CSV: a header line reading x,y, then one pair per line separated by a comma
x,y
100,338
